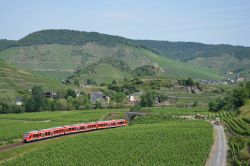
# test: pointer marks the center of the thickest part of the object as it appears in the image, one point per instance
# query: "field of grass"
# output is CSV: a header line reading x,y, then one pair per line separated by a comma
x,y
139,144
13,126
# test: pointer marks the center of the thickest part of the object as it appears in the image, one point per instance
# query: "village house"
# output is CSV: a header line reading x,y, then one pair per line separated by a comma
x,y
134,98
51,95
19,100
99,96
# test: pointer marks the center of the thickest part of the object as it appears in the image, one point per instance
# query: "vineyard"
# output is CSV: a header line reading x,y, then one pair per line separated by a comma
x,y
13,126
239,137
163,142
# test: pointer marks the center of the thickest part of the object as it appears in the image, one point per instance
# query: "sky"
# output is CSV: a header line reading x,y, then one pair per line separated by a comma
x,y
211,21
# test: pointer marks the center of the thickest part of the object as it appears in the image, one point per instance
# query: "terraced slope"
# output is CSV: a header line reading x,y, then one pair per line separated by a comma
x,y
13,79
60,53
222,57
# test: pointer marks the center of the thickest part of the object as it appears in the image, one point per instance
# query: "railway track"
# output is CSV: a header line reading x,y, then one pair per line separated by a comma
x,y
11,146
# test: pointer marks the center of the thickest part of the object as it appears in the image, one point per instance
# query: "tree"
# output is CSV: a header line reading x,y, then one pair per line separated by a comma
x,y
190,82
4,107
213,106
114,82
147,100
118,97
97,104
30,105
90,82
77,82
38,97
125,80
136,108
70,92
61,104
50,105
70,103
239,97
61,93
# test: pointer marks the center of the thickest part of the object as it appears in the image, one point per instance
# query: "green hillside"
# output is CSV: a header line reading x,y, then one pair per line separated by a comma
x,y
15,79
58,54
6,43
70,37
222,58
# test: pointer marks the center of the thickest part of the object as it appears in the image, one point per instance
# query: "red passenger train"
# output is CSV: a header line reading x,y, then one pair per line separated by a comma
x,y
77,128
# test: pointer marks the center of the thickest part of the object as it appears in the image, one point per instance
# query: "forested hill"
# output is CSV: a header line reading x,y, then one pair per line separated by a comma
x,y
70,37
185,51
182,51
6,43
59,53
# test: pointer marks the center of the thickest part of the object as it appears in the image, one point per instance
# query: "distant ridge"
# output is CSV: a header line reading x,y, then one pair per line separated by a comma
x,y
60,53
67,37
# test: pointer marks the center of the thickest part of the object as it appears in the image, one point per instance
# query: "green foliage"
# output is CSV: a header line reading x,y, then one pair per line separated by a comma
x,y
145,70
90,82
61,104
114,82
50,105
188,82
162,98
82,101
70,37
30,105
77,82
39,98
136,108
195,103
231,101
147,100
70,92
6,107
6,43
118,97
125,88
185,51
238,139
97,104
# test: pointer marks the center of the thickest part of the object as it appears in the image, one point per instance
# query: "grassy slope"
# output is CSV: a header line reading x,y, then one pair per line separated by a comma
x,y
224,63
60,61
104,73
12,78
176,69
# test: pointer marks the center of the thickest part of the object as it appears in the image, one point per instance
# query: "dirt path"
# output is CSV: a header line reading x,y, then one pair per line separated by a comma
x,y
219,149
